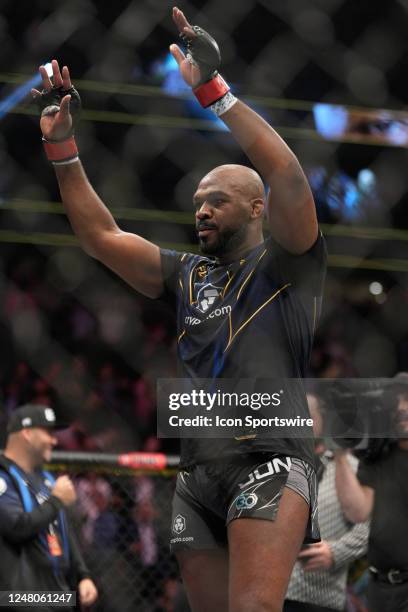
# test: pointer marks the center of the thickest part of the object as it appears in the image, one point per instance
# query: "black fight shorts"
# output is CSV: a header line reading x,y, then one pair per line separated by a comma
x,y
211,495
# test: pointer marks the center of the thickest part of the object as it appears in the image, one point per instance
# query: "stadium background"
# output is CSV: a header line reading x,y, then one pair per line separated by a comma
x,y
74,336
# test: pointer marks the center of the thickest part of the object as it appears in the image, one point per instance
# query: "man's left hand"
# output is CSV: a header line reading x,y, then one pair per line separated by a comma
x,y
316,557
88,592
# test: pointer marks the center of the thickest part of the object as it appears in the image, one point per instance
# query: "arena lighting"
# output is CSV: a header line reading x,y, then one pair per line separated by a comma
x,y
167,71
21,92
378,126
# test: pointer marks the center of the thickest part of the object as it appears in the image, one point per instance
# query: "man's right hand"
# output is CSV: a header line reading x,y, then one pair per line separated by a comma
x,y
56,122
64,490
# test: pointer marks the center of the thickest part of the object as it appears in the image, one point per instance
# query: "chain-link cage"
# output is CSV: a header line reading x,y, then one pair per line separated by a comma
x,y
328,75
122,521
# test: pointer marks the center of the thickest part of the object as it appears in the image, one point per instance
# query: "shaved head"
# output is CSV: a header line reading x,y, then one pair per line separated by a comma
x,y
238,178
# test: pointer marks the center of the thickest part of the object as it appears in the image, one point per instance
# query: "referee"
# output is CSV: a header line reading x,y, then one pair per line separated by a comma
x,y
247,308
38,549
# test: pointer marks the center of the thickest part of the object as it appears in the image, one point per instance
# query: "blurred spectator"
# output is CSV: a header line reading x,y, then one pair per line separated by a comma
x,y
380,490
94,496
38,542
145,544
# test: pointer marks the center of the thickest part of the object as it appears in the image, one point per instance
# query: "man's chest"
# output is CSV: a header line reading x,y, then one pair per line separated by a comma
x,y
224,298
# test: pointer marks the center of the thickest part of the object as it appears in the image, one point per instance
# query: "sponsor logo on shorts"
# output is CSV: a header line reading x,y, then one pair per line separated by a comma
x,y
182,540
267,469
179,524
246,501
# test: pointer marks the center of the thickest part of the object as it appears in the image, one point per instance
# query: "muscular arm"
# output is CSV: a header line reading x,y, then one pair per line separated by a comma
x,y
291,208
133,258
357,500
136,260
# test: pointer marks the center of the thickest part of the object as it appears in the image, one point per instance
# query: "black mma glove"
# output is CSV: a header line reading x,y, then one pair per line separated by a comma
x,y
49,104
203,50
65,150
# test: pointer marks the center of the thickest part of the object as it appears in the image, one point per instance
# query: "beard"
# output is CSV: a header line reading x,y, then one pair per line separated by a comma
x,y
227,241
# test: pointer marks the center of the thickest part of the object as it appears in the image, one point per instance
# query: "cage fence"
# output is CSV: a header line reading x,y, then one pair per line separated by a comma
x,y
74,336
122,523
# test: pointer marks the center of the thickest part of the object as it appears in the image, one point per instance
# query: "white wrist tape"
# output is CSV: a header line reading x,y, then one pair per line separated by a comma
x,y
65,162
222,106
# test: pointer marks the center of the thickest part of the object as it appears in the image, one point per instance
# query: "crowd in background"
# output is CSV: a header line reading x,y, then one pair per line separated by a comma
x,y
75,338
96,356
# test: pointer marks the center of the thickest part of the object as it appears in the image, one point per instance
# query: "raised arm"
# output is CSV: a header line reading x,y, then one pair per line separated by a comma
x,y
132,257
291,209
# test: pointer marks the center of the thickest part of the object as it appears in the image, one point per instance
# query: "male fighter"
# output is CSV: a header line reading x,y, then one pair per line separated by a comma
x,y
256,302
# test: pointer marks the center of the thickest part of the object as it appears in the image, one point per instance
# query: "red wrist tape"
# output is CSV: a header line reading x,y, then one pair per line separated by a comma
x,y
210,92
61,151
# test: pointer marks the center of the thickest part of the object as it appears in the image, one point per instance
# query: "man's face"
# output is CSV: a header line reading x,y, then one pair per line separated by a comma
x,y
401,416
222,214
41,442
